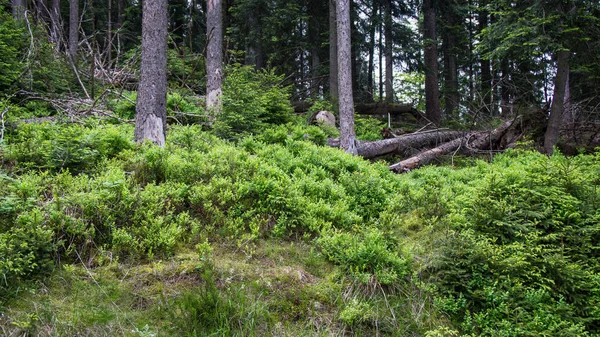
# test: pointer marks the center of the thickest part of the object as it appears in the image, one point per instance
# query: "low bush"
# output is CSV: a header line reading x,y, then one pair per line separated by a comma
x,y
252,100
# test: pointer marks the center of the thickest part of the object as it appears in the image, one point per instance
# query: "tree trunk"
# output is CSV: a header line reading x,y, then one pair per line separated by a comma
x,y
73,28
346,103
432,95
481,140
450,49
405,143
55,30
333,51
505,89
370,83
486,72
380,49
558,101
389,71
151,109
428,156
109,33
214,59
18,9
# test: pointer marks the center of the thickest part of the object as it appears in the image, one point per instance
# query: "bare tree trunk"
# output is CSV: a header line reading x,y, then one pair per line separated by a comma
x,y
109,33
333,52
151,108
370,83
480,141
214,59
428,156
55,30
486,72
380,48
505,88
432,91
558,101
405,143
73,28
452,20
347,135
389,70
18,9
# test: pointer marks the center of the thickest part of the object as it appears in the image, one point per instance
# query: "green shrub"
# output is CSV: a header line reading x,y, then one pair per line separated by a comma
x,y
59,147
519,235
252,100
366,254
12,43
368,128
26,251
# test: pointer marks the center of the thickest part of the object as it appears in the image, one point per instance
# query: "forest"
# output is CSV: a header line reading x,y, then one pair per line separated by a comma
x,y
300,168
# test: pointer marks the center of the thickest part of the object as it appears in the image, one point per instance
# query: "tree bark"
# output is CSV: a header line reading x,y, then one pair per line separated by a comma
x,y
486,72
370,83
558,101
428,156
55,30
432,91
214,59
403,144
18,9
452,21
73,28
389,43
346,101
333,51
482,140
151,109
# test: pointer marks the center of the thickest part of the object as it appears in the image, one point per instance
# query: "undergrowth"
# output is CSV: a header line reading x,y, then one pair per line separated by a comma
x,y
502,249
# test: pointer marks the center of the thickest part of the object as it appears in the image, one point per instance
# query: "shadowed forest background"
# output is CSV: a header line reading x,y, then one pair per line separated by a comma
x,y
305,168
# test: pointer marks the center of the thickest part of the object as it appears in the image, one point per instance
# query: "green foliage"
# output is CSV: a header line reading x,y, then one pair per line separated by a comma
x,y
11,46
368,128
64,147
181,108
366,254
252,100
26,249
513,249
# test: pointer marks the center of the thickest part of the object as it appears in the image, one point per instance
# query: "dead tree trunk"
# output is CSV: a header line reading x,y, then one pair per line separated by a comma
x,y
480,141
426,157
402,144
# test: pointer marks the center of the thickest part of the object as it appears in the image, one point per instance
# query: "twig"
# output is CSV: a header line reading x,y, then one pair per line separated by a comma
x,y
3,126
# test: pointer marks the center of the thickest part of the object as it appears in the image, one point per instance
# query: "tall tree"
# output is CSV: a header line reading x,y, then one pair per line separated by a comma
x,y
55,30
486,71
344,55
73,27
432,91
450,31
558,101
151,108
333,53
214,59
18,9
389,43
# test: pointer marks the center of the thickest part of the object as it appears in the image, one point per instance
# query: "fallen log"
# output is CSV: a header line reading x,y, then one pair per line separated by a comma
x,y
472,141
400,144
426,157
